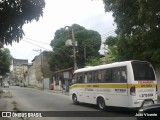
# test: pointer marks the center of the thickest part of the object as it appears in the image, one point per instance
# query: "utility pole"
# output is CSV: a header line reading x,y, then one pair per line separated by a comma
x,y
74,50
74,47
41,55
106,52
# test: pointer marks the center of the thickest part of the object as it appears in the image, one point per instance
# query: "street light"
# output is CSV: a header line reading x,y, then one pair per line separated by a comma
x,y
74,47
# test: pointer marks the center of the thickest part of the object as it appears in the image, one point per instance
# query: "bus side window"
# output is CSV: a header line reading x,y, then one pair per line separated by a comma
x,y
100,76
80,78
116,75
123,71
85,78
119,75
97,76
90,77
108,75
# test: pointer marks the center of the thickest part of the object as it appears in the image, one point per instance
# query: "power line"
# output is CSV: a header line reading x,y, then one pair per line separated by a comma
x,y
104,36
36,45
43,47
108,32
36,41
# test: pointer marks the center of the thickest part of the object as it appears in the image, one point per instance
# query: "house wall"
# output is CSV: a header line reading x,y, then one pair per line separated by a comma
x,y
19,72
20,66
31,76
40,65
46,83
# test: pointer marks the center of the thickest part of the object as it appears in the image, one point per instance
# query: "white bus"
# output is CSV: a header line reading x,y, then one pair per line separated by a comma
x,y
130,84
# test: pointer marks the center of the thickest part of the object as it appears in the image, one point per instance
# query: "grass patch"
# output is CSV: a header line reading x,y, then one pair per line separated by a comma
x,y
7,95
14,103
15,107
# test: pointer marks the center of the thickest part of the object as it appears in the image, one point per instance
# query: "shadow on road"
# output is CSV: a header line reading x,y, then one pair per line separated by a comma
x,y
112,111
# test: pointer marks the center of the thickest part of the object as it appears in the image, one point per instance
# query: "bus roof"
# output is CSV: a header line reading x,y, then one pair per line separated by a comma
x,y
116,64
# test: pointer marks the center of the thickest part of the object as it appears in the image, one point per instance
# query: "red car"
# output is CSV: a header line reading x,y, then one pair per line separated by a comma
x,y
51,86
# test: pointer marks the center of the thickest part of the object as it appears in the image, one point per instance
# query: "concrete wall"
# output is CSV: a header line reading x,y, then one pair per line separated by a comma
x,y
32,77
46,83
40,70
19,73
41,63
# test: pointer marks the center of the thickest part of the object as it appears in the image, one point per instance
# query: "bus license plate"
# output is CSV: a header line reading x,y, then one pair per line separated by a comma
x,y
146,103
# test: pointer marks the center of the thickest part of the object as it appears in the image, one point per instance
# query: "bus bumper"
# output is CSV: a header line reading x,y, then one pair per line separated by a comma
x,y
146,102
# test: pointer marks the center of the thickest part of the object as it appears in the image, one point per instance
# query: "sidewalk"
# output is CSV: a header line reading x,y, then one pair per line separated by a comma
x,y
47,90
56,92
52,91
6,104
3,103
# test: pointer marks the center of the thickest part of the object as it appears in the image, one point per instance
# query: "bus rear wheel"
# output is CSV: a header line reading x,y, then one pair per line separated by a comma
x,y
74,98
101,103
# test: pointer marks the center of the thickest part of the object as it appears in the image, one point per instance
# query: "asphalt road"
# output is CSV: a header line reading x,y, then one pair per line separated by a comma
x,y
29,99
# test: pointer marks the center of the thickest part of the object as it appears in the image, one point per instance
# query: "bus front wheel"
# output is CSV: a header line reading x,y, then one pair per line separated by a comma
x,y
74,98
101,103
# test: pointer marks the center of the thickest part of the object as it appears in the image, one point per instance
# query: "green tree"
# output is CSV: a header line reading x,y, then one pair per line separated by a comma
x,y
14,14
138,28
5,61
93,61
88,42
111,54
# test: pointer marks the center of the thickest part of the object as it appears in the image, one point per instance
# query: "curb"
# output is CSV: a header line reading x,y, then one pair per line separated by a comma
x,y
58,92
7,104
51,91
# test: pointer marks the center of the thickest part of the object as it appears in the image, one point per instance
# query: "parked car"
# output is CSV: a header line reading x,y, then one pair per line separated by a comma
x,y
5,85
151,112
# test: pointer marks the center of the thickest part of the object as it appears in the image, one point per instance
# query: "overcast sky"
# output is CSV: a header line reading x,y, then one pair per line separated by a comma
x,y
57,14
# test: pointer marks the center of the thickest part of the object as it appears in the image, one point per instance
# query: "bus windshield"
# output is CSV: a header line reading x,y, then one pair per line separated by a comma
x,y
143,71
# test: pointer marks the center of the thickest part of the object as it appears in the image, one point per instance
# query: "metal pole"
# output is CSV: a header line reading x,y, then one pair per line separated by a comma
x,y
74,50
